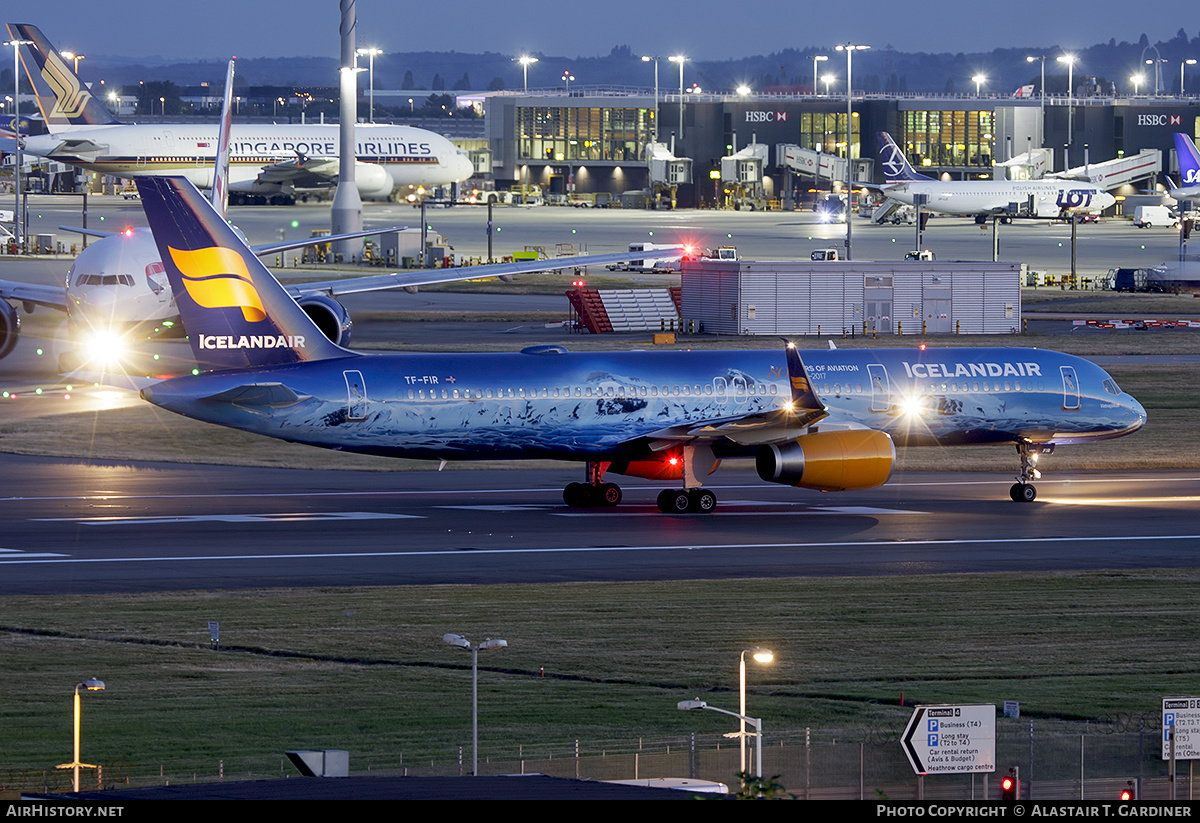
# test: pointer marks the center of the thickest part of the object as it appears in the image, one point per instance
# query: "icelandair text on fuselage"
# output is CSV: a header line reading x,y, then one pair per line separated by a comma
x,y
256,341
1022,809
972,369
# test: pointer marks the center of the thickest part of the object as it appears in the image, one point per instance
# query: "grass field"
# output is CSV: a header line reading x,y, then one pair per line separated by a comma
x,y
366,670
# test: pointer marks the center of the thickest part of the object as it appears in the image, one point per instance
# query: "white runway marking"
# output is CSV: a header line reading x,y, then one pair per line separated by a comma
x,y
17,554
281,517
798,511
456,554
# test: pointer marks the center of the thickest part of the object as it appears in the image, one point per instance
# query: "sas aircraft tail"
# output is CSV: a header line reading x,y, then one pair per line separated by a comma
x,y
235,312
896,167
65,103
1189,160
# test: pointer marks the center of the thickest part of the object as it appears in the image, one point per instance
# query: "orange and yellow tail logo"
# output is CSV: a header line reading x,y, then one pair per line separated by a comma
x,y
217,278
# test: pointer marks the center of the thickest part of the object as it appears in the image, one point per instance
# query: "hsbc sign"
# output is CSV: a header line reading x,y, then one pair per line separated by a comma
x,y
1160,120
766,116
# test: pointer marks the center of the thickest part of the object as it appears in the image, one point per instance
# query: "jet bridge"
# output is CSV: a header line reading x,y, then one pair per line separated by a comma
x,y
667,172
742,176
1113,174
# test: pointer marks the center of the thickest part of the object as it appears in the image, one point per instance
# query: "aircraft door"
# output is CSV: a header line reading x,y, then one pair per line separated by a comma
x,y
356,396
1070,388
881,387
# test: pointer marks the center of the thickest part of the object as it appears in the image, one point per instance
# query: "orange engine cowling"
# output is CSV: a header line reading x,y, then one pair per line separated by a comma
x,y
830,461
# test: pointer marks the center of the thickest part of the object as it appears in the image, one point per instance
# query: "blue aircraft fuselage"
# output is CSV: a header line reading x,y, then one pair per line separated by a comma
x,y
614,405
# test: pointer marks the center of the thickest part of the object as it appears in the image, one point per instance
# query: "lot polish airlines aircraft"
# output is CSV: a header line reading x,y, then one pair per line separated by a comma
x,y
985,198
827,421
266,160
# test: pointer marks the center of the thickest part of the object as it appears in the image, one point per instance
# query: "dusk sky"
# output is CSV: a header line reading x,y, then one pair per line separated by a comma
x,y
701,28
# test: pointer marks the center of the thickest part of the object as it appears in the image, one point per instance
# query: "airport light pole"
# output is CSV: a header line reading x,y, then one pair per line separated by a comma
x,y
525,60
646,59
17,221
763,656
1188,62
370,55
1137,80
462,642
978,80
827,79
818,58
850,48
92,685
1041,58
75,58
756,722
1069,59
679,58
567,78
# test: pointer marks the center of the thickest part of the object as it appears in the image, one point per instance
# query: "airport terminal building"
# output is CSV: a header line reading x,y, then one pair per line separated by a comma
x,y
595,140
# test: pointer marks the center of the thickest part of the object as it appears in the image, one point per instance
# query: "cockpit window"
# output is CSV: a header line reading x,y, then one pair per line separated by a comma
x,y
1110,386
104,280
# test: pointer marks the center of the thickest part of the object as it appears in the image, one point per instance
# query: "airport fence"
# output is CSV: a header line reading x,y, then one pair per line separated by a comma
x,y
1092,761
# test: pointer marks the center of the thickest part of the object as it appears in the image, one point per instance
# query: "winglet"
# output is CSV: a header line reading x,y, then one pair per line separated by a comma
x,y
804,404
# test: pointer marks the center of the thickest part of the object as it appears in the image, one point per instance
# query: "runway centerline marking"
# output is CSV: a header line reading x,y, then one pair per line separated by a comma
x,y
458,553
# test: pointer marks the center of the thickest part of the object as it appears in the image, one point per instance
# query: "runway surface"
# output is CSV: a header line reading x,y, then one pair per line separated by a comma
x,y
74,528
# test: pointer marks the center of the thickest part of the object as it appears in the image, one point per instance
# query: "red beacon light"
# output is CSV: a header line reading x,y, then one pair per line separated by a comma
x,y
128,231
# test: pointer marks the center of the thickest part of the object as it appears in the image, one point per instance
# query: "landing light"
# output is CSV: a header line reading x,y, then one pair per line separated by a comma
x,y
913,406
105,348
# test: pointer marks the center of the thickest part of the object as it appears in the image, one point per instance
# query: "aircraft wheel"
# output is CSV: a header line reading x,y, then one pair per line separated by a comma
x,y
1023,492
610,495
702,501
674,501
575,495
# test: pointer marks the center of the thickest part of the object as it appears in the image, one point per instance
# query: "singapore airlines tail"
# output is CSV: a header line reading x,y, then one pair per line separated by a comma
x,y
236,314
65,103
895,164
220,188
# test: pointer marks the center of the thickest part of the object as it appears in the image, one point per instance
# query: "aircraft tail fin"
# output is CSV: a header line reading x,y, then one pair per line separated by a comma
x,y
236,314
62,99
220,188
895,165
1189,160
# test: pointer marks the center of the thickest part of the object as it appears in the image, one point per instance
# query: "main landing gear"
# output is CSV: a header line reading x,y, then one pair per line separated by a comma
x,y
1023,491
596,493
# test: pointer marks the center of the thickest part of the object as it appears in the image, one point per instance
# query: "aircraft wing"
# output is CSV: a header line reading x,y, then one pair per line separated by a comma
x,y
787,423
271,248
54,297
88,232
302,172
426,277
79,150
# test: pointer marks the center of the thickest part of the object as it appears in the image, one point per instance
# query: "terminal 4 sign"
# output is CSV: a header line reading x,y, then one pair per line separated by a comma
x,y
951,739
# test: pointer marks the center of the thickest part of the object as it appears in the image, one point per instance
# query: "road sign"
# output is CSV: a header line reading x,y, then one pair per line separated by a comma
x,y
1183,715
952,739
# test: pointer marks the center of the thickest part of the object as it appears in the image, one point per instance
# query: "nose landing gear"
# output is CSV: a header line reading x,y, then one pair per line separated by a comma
x,y
1023,490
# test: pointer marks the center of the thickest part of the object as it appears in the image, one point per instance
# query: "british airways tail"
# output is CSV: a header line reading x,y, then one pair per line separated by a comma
x,y
220,188
64,102
1189,160
235,312
896,167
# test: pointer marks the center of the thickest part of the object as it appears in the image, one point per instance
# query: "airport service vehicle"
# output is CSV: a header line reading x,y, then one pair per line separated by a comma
x,y
267,161
1146,217
824,420
825,254
984,198
659,258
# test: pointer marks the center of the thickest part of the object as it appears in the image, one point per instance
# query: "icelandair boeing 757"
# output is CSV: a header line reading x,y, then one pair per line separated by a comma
x,y
825,421
268,160
981,198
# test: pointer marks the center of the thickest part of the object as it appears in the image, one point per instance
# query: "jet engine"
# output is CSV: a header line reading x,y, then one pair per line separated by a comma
x,y
10,328
829,461
330,316
373,180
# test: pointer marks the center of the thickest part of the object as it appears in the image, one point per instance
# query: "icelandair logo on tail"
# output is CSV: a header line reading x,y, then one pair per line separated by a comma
x,y
216,278
229,287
